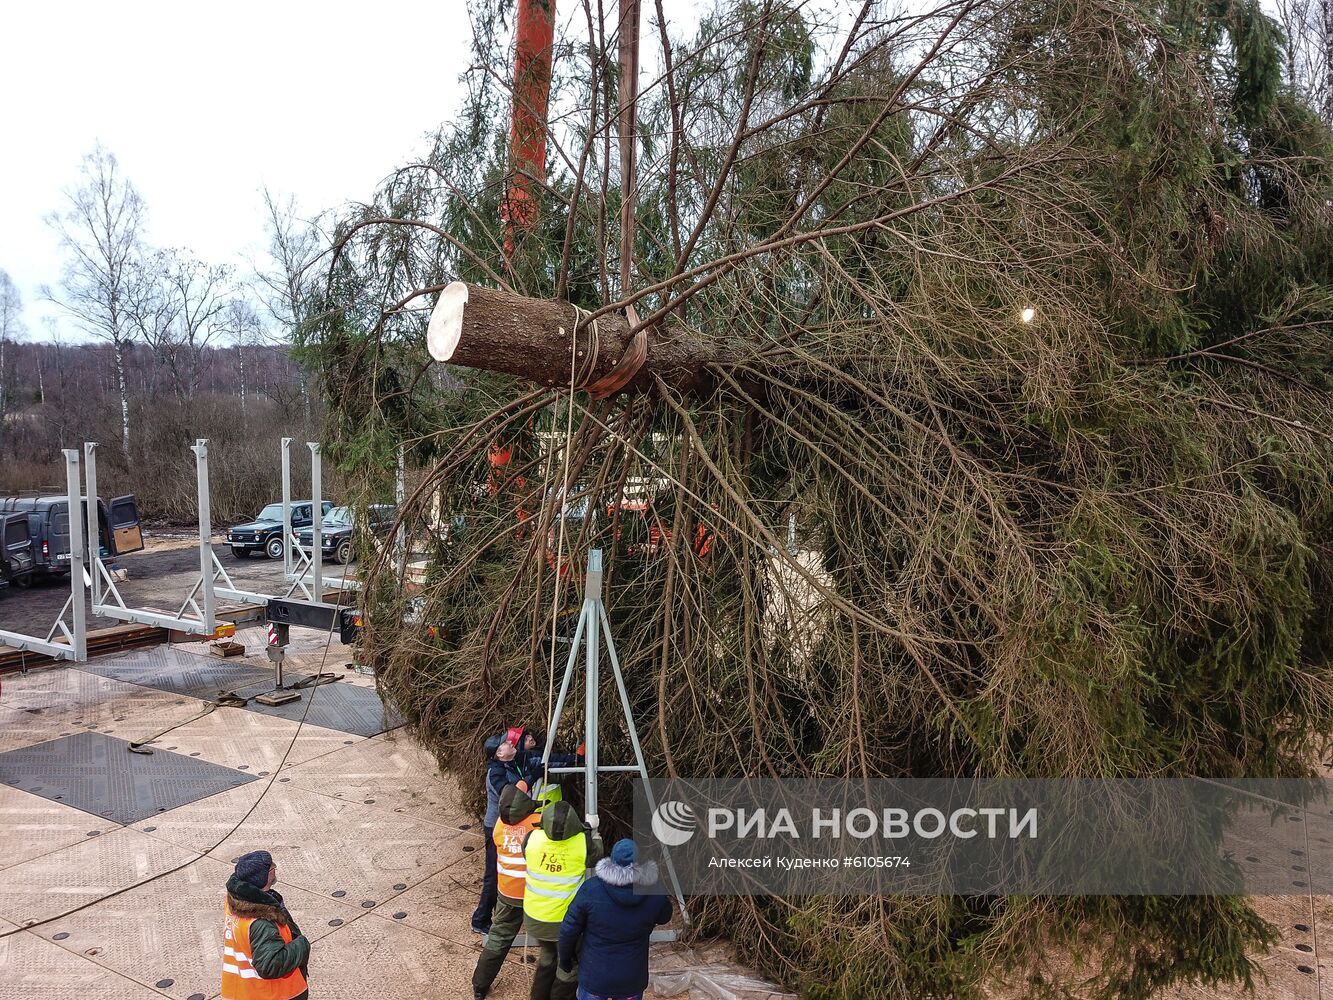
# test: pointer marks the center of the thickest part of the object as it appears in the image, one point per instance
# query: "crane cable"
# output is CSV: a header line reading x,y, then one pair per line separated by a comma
x,y
579,314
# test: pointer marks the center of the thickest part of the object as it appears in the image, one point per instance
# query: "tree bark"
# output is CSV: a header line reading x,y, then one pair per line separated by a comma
x,y
497,331
118,352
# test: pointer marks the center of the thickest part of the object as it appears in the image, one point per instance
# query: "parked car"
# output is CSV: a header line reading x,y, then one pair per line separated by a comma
x,y
264,533
48,526
16,556
335,531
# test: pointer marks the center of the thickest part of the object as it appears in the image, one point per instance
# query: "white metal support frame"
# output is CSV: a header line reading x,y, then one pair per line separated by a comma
x,y
296,560
75,646
207,558
211,570
305,567
316,519
288,536
592,628
107,599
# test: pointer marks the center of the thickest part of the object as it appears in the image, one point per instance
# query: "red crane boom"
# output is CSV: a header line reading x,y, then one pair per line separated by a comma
x,y
533,54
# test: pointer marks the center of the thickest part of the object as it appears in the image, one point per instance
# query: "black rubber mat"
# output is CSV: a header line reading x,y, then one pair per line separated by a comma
x,y
348,709
167,669
97,773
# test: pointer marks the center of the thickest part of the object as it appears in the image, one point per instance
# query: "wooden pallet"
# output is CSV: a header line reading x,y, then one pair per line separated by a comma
x,y
104,641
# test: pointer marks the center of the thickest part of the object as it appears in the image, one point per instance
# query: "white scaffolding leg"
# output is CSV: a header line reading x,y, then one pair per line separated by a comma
x,y
288,537
107,599
210,567
91,520
295,560
307,567
316,520
593,627
206,556
77,581
75,646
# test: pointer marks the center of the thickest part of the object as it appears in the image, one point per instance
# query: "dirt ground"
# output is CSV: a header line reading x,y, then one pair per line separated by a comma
x,y
159,577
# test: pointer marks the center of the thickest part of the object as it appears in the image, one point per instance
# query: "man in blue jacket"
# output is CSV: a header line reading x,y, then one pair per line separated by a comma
x,y
613,923
511,757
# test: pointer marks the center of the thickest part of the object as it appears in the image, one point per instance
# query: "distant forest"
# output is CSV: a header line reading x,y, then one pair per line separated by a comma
x,y
246,398
171,348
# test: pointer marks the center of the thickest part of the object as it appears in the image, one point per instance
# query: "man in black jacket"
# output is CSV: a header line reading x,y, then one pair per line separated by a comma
x,y
261,940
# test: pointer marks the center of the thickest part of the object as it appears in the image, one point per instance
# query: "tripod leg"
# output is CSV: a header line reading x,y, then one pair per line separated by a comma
x,y
638,758
564,684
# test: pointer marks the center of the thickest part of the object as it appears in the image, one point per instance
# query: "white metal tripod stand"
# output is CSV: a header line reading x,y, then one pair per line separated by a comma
x,y
593,627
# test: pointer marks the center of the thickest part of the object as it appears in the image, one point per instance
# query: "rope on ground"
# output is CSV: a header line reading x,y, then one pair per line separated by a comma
x,y
226,699
143,747
328,642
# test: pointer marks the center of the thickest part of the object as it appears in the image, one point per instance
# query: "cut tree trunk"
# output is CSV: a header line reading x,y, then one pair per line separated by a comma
x,y
498,331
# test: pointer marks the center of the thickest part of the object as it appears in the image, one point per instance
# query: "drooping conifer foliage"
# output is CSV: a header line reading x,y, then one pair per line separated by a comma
x,y
1015,457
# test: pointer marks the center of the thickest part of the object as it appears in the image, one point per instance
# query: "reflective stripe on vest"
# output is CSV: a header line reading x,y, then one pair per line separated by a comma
x,y
511,868
544,793
556,869
240,981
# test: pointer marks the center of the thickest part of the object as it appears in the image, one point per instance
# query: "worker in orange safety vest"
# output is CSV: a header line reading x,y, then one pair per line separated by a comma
x,y
264,953
518,818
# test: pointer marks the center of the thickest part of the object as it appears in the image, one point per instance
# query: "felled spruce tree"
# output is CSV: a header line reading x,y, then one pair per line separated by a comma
x,y
1021,314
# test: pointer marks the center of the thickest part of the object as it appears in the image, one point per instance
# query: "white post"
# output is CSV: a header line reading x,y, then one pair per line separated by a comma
x,y
76,583
205,534
317,521
286,507
592,599
94,522
639,760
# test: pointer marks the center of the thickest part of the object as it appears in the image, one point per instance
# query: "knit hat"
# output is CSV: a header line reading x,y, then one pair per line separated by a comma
x,y
624,853
254,868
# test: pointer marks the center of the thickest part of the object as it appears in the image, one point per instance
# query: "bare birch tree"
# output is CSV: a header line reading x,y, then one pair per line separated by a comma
x,y
179,306
246,331
11,328
100,231
294,244
200,293
151,310
1308,25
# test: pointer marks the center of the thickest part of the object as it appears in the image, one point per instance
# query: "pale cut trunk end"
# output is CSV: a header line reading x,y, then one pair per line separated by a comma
x,y
446,322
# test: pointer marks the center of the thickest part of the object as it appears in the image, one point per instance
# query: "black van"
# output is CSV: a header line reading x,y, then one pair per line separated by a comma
x,y
48,524
16,556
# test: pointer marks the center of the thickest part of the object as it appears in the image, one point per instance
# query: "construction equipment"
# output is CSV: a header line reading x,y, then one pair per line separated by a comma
x,y
75,644
533,52
282,613
592,630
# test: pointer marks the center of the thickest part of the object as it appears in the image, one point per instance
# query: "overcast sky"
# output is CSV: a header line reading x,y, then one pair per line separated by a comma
x,y
205,104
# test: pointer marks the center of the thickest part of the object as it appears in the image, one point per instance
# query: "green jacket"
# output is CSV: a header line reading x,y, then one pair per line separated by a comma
x,y
271,957
560,822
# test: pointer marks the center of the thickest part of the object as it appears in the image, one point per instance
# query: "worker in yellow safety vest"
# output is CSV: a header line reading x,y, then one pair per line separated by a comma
x,y
518,818
557,854
264,953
